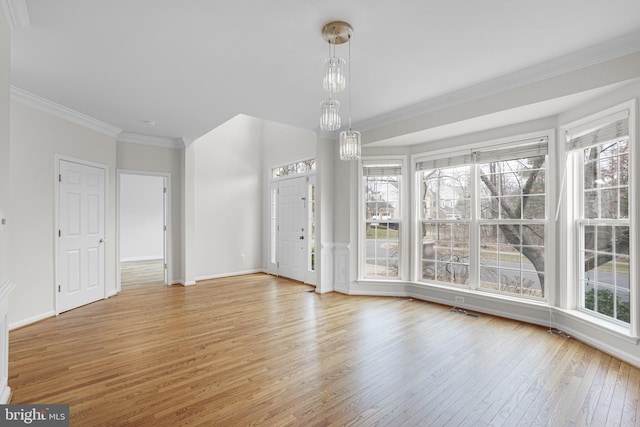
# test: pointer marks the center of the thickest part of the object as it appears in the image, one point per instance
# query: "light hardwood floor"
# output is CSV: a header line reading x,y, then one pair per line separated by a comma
x,y
140,274
261,350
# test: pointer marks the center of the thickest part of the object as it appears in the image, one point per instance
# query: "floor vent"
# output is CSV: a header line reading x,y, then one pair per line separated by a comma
x,y
464,312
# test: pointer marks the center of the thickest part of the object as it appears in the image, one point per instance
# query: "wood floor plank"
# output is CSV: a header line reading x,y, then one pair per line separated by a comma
x,y
141,274
260,350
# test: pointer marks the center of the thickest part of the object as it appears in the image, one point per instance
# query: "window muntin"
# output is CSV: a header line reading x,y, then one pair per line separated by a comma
x,y
483,215
382,212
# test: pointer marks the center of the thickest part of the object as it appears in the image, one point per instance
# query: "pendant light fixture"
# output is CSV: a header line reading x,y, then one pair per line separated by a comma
x,y
350,145
334,81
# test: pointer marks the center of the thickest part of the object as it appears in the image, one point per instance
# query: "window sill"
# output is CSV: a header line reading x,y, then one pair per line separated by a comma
x,y
378,280
619,331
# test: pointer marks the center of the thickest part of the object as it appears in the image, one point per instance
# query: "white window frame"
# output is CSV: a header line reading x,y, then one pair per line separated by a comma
x,y
570,212
475,222
403,220
417,183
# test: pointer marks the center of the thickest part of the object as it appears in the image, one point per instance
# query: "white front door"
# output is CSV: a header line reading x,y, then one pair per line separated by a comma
x,y
292,224
81,231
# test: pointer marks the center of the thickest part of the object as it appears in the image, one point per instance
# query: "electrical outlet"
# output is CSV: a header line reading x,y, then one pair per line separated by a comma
x,y
459,299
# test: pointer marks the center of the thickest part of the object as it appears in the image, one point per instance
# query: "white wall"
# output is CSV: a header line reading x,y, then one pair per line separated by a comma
x,y
228,199
36,138
5,80
146,158
231,170
141,200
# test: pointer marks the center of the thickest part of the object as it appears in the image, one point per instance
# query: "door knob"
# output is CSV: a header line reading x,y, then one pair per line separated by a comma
x,y
301,237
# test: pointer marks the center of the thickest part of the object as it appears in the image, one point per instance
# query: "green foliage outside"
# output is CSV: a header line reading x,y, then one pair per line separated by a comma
x,y
606,304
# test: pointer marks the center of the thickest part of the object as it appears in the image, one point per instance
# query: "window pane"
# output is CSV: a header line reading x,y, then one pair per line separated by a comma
x,y
624,203
534,207
382,249
446,193
591,204
609,203
490,208
623,306
605,302
512,258
445,252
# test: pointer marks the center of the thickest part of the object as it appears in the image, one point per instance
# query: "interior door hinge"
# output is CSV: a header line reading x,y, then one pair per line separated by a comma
x,y
58,288
165,228
60,178
164,190
165,266
59,233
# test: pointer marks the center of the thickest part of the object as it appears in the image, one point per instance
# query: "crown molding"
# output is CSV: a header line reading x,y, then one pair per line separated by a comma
x,y
156,141
17,13
42,104
603,52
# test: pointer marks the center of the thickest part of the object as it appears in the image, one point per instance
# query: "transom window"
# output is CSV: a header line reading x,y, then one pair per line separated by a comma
x,y
305,166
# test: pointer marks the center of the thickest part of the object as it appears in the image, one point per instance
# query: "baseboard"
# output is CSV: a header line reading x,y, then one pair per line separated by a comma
x,y
30,320
184,282
143,258
5,396
231,274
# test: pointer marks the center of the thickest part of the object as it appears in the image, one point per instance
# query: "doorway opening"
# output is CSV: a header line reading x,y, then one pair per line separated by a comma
x,y
143,230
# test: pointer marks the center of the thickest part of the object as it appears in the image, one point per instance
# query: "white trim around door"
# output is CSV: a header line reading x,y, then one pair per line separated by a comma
x,y
80,220
167,241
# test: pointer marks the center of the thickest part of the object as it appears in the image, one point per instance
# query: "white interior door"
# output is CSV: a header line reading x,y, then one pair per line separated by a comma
x,y
81,231
292,223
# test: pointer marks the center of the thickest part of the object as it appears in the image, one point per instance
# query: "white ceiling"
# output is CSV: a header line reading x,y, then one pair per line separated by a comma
x,y
190,65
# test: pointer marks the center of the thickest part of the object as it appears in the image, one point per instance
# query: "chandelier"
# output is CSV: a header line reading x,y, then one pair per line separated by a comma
x,y
335,81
